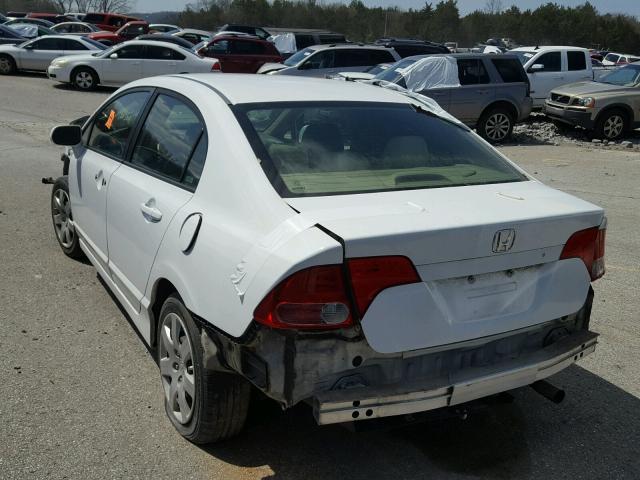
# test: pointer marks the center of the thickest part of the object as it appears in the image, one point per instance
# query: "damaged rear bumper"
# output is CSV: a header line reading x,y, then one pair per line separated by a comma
x,y
365,403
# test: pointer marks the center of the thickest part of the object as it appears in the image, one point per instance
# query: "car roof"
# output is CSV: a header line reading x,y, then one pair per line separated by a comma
x,y
348,45
193,30
240,89
153,43
545,48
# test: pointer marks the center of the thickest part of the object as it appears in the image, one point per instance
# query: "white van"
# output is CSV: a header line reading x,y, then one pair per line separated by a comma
x,y
550,67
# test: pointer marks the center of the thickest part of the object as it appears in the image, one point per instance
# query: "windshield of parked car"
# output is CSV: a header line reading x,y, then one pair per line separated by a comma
x,y
626,76
330,148
298,57
393,74
523,56
376,69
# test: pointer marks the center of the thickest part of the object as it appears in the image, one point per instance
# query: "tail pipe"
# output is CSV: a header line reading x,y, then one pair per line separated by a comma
x,y
548,391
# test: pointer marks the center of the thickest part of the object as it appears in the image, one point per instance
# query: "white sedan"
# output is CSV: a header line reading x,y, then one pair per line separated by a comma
x,y
330,242
37,54
127,62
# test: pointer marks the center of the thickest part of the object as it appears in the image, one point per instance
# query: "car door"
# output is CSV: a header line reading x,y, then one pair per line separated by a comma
x,y
160,60
577,70
475,92
546,79
125,67
105,142
149,188
247,55
38,54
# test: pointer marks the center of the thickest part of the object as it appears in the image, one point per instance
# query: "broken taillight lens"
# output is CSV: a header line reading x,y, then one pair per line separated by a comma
x,y
314,298
216,67
588,245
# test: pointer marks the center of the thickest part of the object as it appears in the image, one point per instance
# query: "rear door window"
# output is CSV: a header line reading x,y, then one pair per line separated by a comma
x,y
576,60
114,124
510,70
168,140
163,53
551,61
70,44
472,72
304,41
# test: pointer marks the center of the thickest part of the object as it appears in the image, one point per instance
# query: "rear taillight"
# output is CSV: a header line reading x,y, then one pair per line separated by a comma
x,y
318,298
216,67
372,275
314,298
588,245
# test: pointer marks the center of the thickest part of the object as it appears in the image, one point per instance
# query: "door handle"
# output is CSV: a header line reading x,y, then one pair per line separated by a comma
x,y
150,212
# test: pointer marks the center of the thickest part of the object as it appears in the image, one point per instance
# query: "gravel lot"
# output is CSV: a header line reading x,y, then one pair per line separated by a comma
x,y
81,397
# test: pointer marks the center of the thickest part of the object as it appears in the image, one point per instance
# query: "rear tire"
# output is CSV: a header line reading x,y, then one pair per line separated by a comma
x,y
204,406
611,125
84,78
496,125
7,65
62,218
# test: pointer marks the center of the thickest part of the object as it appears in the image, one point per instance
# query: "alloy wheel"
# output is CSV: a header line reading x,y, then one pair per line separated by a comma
x,y
5,65
84,80
613,126
62,219
497,126
176,368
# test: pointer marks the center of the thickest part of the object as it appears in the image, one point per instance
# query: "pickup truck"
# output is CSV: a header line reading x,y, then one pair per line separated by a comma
x,y
551,67
128,31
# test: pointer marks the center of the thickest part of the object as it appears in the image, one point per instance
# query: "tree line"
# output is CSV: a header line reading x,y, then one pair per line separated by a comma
x,y
548,24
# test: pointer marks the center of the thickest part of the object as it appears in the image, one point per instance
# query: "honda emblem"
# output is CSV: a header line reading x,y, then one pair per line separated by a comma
x,y
503,240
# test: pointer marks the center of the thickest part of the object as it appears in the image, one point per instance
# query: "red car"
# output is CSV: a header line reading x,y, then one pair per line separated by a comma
x,y
128,32
240,54
110,22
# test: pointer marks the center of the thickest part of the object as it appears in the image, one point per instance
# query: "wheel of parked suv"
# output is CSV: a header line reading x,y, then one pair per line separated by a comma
x,y
496,125
63,219
611,125
7,65
84,78
204,405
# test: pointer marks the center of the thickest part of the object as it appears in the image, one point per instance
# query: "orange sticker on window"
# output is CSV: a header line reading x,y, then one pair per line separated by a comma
x,y
109,122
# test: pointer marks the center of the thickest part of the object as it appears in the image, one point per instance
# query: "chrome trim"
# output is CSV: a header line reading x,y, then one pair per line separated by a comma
x,y
365,403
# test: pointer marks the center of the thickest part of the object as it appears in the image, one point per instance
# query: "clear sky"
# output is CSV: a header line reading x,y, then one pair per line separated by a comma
x,y
631,7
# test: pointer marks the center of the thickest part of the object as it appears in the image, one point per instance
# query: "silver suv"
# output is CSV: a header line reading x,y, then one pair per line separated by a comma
x,y
489,92
326,60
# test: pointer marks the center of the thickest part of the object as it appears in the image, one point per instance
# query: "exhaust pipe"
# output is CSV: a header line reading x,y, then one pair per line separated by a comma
x,y
548,391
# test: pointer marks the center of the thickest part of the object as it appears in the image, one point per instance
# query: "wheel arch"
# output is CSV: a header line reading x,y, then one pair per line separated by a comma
x,y
626,109
502,104
83,66
162,289
12,58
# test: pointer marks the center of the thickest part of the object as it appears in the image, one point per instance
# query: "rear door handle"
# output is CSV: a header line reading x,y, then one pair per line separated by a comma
x,y
150,212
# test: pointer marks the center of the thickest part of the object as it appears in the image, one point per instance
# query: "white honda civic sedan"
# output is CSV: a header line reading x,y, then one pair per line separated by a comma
x,y
127,62
340,244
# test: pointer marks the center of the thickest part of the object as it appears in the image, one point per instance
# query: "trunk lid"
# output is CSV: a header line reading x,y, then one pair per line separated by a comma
x,y
487,257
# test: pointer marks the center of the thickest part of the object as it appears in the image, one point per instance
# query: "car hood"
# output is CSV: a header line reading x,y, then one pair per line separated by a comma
x,y
270,67
9,47
76,58
582,88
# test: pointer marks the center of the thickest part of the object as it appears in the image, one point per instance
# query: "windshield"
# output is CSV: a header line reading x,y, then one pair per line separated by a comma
x,y
329,148
626,76
393,74
298,57
376,69
524,57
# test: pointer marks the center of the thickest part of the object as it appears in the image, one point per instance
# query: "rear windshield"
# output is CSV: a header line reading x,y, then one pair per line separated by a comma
x,y
330,148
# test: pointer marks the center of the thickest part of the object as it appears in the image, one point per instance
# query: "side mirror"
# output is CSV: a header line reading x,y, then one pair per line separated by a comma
x,y
113,56
536,67
66,135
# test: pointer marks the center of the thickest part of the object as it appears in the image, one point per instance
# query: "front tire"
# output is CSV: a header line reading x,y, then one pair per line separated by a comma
x,y
84,79
205,406
62,218
496,125
7,65
611,125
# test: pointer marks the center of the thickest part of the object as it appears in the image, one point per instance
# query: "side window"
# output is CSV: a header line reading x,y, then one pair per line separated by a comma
x,y
576,60
47,44
304,41
510,70
192,175
380,56
323,59
220,47
472,72
134,30
351,58
162,53
168,138
116,21
113,125
69,44
64,29
552,61
130,51
243,47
